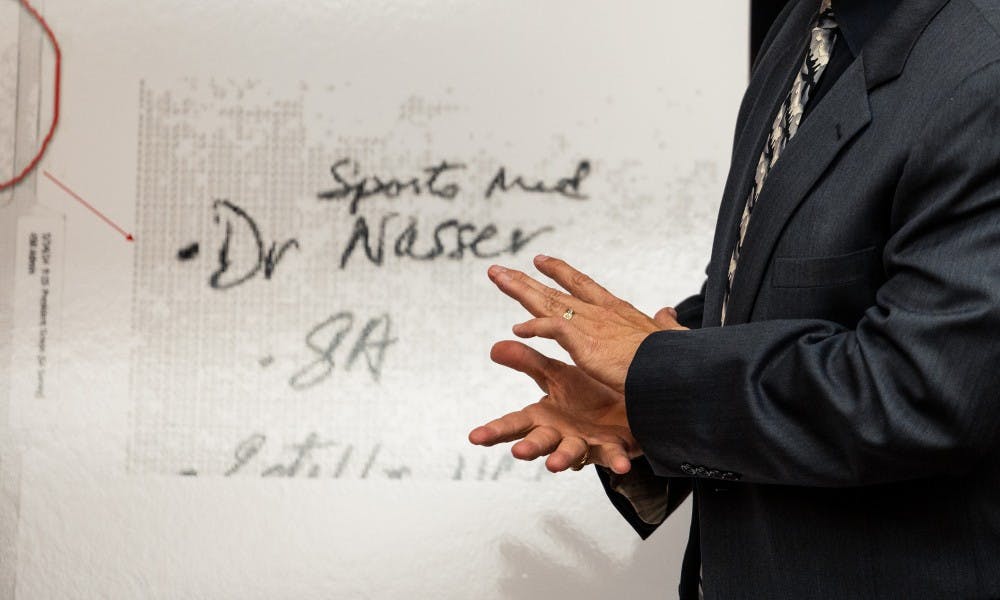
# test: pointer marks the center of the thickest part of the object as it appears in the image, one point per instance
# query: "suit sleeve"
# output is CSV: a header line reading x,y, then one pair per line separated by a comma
x,y
690,310
643,498
913,390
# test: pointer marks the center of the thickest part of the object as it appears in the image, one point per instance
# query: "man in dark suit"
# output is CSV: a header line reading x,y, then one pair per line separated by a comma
x,y
832,396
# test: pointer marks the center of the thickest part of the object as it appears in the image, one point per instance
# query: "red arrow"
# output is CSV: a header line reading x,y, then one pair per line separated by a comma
x,y
128,236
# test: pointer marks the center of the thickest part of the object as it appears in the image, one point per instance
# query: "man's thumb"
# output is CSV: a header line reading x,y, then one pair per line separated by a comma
x,y
666,317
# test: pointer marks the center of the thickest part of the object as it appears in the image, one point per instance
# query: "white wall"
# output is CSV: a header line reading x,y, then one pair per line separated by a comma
x,y
185,440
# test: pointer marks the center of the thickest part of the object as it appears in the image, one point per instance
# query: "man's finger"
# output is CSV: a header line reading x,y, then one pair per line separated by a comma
x,y
512,426
553,328
525,359
570,452
666,317
540,300
539,442
612,456
580,285
531,282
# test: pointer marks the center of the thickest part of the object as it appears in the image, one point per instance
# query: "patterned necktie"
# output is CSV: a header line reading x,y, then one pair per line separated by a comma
x,y
786,122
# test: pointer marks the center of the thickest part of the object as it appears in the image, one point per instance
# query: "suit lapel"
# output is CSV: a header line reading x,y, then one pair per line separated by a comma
x,y
764,95
830,126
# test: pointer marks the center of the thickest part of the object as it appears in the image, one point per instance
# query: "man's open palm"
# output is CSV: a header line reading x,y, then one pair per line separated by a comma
x,y
578,417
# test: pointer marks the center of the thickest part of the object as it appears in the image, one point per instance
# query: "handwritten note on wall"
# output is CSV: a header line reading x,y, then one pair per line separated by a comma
x,y
267,394
294,294
315,205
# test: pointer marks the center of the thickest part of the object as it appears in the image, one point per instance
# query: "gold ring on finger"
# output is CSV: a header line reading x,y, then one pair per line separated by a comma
x,y
583,461
568,314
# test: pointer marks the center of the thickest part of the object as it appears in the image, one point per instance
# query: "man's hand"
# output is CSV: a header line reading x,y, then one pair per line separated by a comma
x,y
582,416
578,417
603,331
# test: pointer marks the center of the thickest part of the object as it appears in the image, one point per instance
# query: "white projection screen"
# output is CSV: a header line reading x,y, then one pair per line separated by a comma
x,y
266,391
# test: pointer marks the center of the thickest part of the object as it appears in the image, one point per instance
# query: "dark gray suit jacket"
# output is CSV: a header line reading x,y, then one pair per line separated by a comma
x,y
841,431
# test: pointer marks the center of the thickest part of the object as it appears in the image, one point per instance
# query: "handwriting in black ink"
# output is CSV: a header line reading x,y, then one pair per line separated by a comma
x,y
568,187
303,455
302,461
370,461
314,457
246,451
350,186
497,468
188,252
326,338
345,457
450,239
228,275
